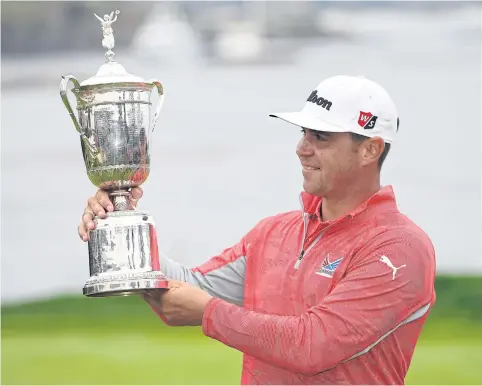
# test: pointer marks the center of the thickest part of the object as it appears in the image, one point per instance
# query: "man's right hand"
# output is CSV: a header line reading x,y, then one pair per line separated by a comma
x,y
97,206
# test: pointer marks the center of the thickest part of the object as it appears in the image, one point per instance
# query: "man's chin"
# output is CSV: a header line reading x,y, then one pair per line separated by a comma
x,y
313,190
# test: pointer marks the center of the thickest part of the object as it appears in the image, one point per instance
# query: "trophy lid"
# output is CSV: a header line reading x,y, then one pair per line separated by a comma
x,y
111,71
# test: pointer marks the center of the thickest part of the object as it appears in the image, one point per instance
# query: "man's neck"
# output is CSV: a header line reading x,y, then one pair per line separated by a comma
x,y
342,204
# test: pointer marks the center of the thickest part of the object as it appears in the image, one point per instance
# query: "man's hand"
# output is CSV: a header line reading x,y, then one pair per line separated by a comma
x,y
97,206
180,305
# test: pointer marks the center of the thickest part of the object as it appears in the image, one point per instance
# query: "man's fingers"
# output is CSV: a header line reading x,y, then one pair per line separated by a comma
x,y
86,223
103,198
137,193
83,232
88,219
96,207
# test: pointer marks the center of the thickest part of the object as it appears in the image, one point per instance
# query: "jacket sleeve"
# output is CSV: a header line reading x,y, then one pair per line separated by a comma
x,y
364,307
222,276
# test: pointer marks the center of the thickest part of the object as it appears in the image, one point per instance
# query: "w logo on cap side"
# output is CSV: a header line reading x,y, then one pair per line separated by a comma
x,y
367,120
320,101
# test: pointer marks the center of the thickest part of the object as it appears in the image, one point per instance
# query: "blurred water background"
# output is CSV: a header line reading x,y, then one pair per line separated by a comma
x,y
218,162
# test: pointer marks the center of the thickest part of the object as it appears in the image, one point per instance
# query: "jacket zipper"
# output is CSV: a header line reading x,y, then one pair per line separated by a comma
x,y
303,252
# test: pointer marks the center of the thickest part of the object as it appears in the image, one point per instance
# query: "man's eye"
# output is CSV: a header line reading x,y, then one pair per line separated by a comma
x,y
321,137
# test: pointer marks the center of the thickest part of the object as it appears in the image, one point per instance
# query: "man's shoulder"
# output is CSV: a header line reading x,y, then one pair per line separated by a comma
x,y
386,219
400,232
404,228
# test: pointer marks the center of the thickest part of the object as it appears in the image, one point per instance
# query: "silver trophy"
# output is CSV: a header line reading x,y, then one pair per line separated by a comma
x,y
114,123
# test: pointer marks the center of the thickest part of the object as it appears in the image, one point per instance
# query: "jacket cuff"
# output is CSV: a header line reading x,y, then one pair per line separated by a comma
x,y
206,320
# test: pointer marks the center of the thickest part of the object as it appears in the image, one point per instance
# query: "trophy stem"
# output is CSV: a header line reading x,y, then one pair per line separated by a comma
x,y
121,200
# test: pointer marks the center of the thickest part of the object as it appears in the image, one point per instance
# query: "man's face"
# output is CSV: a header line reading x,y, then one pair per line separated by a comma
x,y
331,161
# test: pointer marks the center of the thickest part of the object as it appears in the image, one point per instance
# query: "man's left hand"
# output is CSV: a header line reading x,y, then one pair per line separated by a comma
x,y
180,305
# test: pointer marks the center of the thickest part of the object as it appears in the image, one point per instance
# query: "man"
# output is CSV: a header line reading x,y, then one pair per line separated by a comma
x,y
334,293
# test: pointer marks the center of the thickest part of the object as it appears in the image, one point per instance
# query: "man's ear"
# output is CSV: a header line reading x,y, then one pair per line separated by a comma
x,y
372,150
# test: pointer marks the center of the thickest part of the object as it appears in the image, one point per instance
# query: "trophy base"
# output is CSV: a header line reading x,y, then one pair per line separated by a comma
x,y
123,256
125,285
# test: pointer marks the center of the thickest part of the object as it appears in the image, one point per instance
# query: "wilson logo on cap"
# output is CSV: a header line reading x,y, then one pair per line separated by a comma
x,y
367,120
320,101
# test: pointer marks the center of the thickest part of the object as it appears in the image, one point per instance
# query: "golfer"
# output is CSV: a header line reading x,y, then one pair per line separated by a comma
x,y
336,292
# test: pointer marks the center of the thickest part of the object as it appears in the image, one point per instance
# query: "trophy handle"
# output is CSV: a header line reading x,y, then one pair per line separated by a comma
x,y
63,94
160,91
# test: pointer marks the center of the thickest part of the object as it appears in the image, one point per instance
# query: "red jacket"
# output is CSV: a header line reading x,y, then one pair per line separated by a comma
x,y
313,302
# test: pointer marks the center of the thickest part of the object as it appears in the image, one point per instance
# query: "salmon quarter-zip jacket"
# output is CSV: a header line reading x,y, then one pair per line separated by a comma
x,y
314,302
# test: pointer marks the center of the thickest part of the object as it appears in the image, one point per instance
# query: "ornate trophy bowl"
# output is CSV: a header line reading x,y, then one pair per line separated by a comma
x,y
114,123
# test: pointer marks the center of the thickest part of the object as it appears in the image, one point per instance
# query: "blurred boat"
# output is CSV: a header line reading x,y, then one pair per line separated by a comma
x,y
166,36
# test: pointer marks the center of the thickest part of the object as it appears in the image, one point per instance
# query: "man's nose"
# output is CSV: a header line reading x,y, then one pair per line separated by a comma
x,y
304,147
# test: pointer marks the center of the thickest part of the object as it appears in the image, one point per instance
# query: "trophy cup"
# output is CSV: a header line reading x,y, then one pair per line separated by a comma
x,y
114,123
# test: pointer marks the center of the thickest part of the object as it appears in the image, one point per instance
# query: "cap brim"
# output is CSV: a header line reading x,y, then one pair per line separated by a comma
x,y
302,120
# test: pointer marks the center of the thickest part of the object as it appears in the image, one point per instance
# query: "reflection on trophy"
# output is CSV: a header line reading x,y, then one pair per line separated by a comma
x,y
114,123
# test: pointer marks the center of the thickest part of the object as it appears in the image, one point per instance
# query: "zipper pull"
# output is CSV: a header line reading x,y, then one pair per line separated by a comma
x,y
300,257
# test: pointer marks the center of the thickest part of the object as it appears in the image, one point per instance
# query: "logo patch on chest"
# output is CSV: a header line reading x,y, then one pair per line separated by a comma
x,y
328,267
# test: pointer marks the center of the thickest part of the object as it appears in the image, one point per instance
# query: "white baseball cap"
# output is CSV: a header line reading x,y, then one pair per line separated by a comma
x,y
345,103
